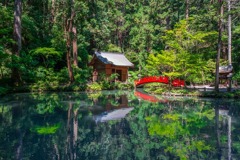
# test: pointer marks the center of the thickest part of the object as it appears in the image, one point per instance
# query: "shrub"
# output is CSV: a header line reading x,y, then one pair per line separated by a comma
x,y
81,75
180,91
3,90
94,87
157,88
123,86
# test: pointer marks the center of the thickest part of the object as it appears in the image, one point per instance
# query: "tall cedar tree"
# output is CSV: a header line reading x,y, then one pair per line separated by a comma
x,y
69,34
74,37
17,36
219,46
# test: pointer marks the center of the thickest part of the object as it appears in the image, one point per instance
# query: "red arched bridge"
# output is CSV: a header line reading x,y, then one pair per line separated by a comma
x,y
159,79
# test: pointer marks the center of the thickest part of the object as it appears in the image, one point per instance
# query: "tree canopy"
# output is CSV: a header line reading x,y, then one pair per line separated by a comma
x,y
174,38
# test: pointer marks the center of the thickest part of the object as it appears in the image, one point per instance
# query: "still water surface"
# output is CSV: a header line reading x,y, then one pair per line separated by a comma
x,y
117,125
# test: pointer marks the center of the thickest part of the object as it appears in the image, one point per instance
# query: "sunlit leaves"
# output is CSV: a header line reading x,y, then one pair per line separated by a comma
x,y
49,56
182,57
45,130
6,26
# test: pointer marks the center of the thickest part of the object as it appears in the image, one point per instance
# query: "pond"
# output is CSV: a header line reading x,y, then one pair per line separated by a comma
x,y
117,125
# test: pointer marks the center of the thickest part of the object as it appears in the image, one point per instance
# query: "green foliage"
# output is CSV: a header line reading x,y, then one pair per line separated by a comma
x,y
180,91
113,77
113,48
237,76
107,85
104,81
6,26
48,56
49,105
123,86
182,58
63,75
30,29
156,88
94,87
4,61
47,79
46,130
58,41
81,75
74,87
26,65
108,82
154,35
94,95
169,127
188,127
3,91
132,76
45,74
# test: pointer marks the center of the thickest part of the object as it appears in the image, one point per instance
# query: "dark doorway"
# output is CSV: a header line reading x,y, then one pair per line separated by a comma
x,y
119,72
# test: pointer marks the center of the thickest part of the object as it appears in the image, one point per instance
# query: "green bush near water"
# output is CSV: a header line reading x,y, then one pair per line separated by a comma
x,y
123,86
3,90
94,87
156,88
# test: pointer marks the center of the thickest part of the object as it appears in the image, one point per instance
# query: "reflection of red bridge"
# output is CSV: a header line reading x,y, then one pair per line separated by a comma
x,y
159,79
148,97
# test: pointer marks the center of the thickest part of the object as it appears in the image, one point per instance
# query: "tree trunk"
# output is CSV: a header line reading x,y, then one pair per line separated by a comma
x,y
69,64
75,49
168,19
229,34
74,33
17,36
69,43
229,43
53,17
187,9
219,45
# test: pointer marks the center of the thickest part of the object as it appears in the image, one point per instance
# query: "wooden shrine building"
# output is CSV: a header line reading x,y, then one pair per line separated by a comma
x,y
110,63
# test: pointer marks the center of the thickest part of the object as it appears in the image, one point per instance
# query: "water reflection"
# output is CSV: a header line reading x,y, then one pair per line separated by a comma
x,y
113,115
68,126
151,98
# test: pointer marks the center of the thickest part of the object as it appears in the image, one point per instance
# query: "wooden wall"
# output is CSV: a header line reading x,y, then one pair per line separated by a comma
x,y
109,69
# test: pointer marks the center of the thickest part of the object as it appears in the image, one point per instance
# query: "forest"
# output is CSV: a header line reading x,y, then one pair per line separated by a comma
x,y
45,44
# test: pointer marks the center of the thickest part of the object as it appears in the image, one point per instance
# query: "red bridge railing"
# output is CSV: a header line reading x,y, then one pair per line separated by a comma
x,y
178,83
159,79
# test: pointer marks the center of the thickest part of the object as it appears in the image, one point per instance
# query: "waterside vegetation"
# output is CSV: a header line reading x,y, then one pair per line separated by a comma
x,y
166,90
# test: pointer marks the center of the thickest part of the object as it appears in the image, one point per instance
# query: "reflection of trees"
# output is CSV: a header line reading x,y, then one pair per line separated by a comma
x,y
125,139
26,130
179,132
178,135
72,131
60,126
5,131
47,127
